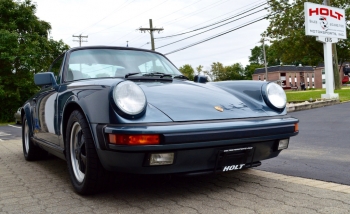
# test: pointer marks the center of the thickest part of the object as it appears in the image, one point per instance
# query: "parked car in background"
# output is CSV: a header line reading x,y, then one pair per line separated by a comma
x,y
132,111
17,116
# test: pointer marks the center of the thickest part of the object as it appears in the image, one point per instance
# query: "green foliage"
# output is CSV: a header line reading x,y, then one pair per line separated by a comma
x,y
218,71
249,70
257,55
221,73
293,96
188,71
199,69
25,49
287,33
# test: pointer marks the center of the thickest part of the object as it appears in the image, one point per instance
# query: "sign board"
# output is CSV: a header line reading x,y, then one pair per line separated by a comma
x,y
324,21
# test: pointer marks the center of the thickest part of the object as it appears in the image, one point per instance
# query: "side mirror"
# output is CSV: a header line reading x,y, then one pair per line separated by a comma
x,y
46,78
200,79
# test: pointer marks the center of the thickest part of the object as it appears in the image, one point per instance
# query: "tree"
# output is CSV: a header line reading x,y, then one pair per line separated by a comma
x,y
250,69
25,49
221,73
218,71
234,72
199,69
188,71
257,55
287,32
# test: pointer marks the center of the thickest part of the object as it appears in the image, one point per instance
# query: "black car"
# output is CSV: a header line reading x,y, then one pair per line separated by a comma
x,y
132,111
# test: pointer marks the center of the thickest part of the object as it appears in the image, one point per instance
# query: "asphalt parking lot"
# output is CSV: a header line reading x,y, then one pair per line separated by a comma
x,y
44,187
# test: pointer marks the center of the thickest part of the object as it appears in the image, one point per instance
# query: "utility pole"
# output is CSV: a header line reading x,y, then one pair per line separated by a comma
x,y
335,57
80,39
151,29
263,44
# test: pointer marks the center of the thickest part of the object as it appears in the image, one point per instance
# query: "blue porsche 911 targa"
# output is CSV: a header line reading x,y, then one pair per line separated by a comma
x,y
129,110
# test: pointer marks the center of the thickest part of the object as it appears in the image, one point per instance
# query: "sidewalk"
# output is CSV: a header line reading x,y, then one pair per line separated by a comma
x,y
44,187
310,105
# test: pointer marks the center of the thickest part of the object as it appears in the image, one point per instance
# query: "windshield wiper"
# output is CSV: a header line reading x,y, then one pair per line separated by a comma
x,y
160,74
130,74
180,77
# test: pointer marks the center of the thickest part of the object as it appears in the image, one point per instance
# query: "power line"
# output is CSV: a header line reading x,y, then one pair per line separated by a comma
x,y
218,22
210,29
254,3
227,13
218,35
129,19
117,9
138,37
196,12
221,53
158,19
178,10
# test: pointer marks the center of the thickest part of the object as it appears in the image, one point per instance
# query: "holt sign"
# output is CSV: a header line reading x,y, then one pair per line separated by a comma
x,y
324,21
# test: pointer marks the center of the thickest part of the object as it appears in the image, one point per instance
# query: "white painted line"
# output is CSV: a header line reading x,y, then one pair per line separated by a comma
x,y
1,140
4,134
18,127
297,180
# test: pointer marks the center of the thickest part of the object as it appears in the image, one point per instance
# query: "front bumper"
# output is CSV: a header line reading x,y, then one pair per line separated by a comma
x,y
197,146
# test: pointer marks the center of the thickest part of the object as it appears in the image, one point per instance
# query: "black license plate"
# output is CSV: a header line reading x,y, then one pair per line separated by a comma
x,y
233,159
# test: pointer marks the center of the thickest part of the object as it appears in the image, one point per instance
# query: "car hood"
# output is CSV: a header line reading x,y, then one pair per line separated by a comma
x,y
188,101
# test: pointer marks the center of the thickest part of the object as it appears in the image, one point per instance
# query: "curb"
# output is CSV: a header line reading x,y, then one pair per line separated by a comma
x,y
306,105
299,180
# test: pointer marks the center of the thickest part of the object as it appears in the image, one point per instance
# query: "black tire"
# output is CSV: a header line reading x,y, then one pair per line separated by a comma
x,y
86,172
30,150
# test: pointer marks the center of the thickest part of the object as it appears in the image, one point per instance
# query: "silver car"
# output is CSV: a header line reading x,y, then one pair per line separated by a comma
x,y
17,116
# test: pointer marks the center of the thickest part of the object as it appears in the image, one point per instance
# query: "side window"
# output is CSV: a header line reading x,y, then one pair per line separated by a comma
x,y
56,67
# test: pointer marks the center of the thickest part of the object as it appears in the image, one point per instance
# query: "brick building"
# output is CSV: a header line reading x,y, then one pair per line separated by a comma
x,y
291,75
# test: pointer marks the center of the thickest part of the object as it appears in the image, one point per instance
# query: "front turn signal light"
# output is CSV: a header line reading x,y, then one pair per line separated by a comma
x,y
134,139
296,127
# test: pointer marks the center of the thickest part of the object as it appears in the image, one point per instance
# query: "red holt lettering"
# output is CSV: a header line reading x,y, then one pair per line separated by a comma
x,y
325,12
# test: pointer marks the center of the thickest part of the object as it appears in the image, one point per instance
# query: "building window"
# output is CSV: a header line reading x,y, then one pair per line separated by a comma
x,y
323,81
307,75
312,75
259,77
323,72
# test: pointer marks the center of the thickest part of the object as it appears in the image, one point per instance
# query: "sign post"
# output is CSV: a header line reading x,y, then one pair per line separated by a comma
x,y
328,66
328,24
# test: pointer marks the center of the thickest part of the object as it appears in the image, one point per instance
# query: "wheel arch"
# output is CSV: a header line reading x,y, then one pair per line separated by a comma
x,y
69,108
26,112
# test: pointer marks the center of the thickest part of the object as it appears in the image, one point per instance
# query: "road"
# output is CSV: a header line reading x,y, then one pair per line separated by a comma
x,y
321,150
44,187
10,131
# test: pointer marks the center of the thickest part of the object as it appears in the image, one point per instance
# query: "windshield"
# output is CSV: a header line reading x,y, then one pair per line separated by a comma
x,y
102,63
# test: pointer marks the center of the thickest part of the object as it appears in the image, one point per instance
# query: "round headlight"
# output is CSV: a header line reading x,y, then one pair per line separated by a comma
x,y
129,98
276,95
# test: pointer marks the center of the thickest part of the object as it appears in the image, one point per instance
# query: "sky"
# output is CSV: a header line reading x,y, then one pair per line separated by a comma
x,y
114,22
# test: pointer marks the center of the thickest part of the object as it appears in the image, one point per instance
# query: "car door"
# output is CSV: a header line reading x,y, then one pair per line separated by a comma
x,y
46,117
